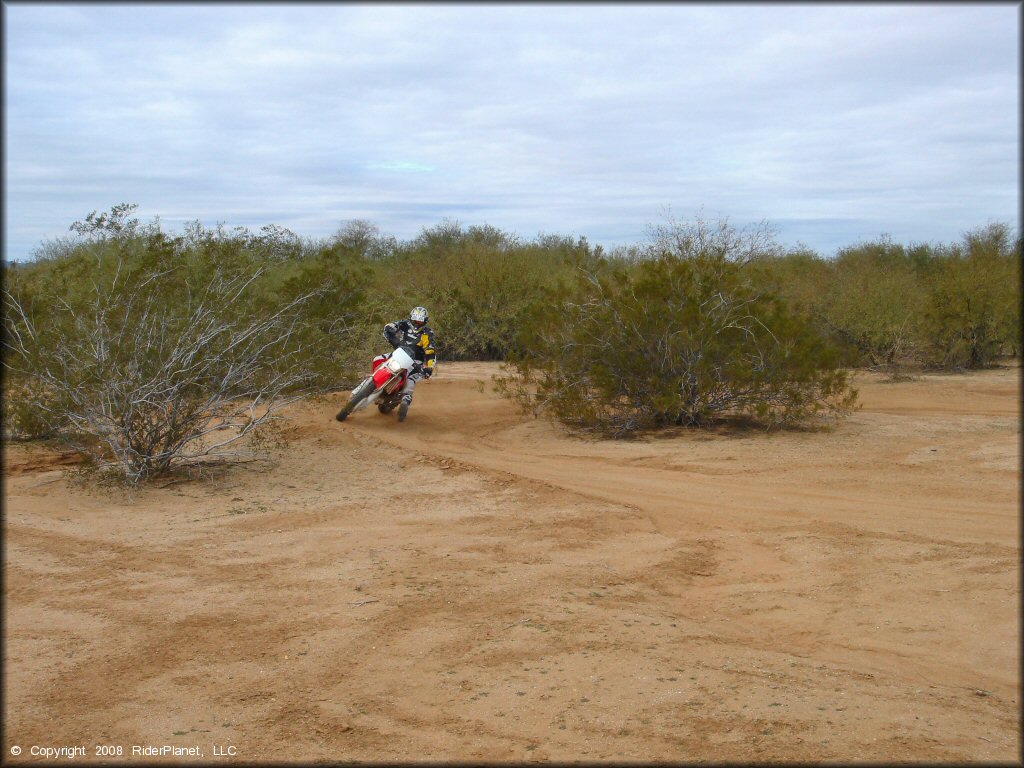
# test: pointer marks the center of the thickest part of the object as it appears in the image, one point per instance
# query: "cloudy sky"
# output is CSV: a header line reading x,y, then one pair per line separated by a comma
x,y
833,123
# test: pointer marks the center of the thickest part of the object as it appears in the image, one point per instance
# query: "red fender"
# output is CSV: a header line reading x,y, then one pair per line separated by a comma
x,y
381,374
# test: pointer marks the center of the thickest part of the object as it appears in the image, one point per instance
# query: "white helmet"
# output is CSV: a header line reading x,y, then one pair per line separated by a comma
x,y
419,316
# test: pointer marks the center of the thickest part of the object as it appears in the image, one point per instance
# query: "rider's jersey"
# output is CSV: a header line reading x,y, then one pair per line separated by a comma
x,y
420,339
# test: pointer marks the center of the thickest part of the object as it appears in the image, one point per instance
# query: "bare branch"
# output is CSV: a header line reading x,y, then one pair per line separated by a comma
x,y
153,381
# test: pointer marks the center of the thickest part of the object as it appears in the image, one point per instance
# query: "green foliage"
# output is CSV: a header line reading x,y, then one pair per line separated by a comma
x,y
333,324
874,305
974,312
25,413
363,239
684,337
113,225
145,351
477,283
800,277
703,322
897,308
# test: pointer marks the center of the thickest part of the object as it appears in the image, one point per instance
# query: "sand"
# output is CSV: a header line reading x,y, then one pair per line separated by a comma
x,y
474,584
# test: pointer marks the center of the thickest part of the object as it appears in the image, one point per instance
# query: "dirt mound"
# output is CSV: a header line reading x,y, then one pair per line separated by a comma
x,y
474,585
19,459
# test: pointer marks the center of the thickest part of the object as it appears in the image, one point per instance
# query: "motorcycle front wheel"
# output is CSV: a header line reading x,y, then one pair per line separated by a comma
x,y
361,392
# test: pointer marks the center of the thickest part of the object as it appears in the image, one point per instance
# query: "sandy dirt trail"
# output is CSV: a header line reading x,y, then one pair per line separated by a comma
x,y
473,584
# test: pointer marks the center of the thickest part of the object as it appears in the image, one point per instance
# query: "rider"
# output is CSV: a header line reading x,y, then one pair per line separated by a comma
x,y
413,333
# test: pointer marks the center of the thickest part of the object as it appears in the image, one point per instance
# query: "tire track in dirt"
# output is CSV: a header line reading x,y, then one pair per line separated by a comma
x,y
706,500
463,420
533,597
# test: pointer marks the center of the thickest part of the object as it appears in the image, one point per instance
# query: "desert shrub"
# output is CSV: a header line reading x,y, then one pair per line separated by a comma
x,y
25,411
487,302
144,356
682,337
275,243
895,308
363,238
22,418
973,311
334,327
800,277
874,304
719,239
477,282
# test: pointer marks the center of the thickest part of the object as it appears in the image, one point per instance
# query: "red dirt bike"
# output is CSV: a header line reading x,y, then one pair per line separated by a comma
x,y
384,385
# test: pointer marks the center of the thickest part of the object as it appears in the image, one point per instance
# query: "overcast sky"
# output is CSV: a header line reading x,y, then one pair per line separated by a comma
x,y
834,123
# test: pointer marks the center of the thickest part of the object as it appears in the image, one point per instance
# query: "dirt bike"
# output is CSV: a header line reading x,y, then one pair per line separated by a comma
x,y
384,385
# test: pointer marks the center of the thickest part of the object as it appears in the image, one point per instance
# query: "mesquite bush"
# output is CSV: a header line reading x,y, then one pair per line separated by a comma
x,y
682,337
152,366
